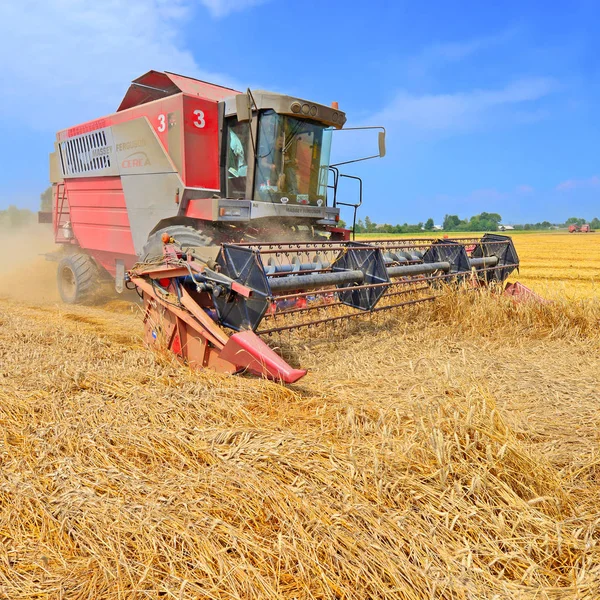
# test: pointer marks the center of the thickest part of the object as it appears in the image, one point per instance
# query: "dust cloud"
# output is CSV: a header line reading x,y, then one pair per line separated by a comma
x,y
25,274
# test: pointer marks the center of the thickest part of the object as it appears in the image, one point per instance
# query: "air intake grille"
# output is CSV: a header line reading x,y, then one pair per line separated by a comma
x,y
85,154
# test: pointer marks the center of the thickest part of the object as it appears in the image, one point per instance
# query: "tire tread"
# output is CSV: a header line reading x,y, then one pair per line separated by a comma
x,y
86,275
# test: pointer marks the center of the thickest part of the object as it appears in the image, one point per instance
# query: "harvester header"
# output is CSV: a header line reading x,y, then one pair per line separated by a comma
x,y
265,288
221,208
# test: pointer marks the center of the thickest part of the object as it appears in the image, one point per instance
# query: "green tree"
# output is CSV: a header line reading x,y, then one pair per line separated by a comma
x,y
494,217
451,222
574,221
595,223
484,222
46,200
370,226
429,224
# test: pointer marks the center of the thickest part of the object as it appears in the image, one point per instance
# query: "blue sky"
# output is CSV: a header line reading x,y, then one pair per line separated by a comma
x,y
488,106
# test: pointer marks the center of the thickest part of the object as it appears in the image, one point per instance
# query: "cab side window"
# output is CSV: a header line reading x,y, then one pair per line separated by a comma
x,y
236,165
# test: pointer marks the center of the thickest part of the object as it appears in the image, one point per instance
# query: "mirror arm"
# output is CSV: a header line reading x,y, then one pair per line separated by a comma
x,y
347,162
381,142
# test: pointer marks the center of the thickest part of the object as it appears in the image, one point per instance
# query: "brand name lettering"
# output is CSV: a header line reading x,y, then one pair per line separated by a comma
x,y
101,152
304,210
130,145
133,161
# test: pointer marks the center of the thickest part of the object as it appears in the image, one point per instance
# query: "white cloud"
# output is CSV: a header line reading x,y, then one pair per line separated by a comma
x,y
466,110
524,189
65,61
221,8
575,184
486,195
441,53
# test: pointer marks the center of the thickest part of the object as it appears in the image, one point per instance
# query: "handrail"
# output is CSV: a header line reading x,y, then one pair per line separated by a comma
x,y
355,206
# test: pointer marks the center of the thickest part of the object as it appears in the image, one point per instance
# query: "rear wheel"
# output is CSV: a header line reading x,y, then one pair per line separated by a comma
x,y
188,237
76,278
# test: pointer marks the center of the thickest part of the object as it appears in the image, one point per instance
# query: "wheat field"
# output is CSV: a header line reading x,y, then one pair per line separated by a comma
x,y
554,264
561,264
448,451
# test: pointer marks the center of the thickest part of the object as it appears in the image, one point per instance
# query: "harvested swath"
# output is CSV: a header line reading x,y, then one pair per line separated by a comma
x,y
443,455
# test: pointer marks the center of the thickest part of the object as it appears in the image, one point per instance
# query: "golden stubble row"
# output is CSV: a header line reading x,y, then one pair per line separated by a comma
x,y
445,451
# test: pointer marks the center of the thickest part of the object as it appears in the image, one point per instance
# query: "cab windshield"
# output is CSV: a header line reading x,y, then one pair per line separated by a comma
x,y
292,160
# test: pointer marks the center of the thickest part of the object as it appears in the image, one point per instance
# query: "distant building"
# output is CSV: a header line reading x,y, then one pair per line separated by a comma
x,y
505,227
438,228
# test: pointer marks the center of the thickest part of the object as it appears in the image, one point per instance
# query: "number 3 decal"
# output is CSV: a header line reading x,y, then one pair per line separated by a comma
x,y
162,123
199,122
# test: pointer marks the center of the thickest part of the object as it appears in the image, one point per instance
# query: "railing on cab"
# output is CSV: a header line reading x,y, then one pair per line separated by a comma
x,y
356,205
336,173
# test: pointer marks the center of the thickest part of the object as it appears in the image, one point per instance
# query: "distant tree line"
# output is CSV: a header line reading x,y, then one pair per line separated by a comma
x,y
14,218
482,222
368,226
594,223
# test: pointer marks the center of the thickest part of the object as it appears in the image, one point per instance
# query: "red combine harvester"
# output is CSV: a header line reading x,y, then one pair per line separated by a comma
x,y
585,228
221,208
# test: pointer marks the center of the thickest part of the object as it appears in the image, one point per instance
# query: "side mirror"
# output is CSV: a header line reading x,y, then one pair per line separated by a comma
x,y
382,143
380,140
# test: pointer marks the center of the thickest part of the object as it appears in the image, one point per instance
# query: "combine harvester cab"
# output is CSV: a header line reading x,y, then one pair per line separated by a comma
x,y
221,208
193,159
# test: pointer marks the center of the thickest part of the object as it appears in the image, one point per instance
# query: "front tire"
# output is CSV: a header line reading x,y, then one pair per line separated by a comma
x,y
76,277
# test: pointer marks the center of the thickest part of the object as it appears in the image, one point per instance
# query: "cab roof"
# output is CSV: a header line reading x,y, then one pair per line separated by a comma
x,y
154,85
